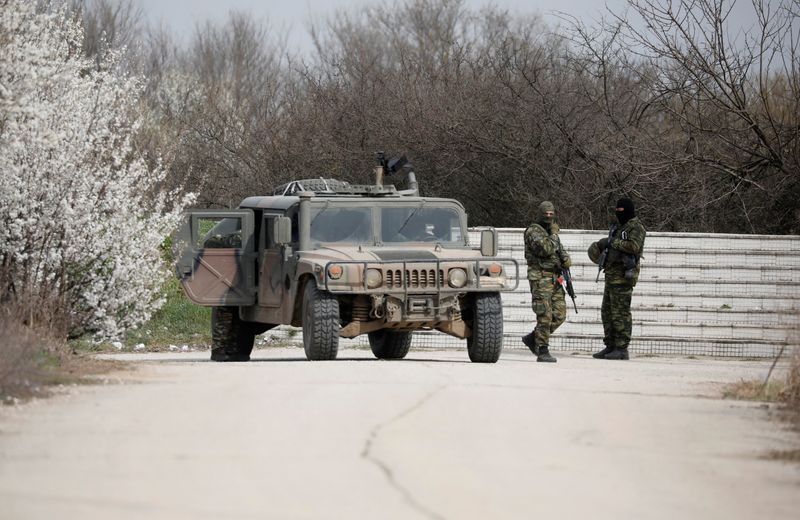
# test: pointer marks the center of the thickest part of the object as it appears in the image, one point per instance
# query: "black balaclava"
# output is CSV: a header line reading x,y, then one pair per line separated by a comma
x,y
546,221
628,210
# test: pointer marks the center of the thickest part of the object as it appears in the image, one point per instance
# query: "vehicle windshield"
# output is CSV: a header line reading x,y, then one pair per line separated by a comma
x,y
421,224
349,225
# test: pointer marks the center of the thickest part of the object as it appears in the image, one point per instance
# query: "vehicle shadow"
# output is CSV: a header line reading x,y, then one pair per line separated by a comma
x,y
366,359
304,360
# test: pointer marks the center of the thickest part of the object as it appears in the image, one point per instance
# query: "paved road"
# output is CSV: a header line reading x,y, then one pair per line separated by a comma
x,y
426,438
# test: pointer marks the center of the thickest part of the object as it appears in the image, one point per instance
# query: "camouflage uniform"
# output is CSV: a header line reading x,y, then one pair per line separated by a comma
x,y
628,241
544,254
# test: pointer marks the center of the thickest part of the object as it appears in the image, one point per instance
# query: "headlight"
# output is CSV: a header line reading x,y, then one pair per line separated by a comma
x,y
457,278
335,271
374,278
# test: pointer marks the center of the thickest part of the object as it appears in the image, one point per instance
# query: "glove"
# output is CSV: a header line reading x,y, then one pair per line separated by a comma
x,y
554,229
602,243
564,260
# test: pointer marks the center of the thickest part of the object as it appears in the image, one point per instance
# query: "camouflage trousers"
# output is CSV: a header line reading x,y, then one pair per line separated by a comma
x,y
616,314
549,306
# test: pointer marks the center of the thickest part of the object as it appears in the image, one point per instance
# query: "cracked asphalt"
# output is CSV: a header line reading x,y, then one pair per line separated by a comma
x,y
429,437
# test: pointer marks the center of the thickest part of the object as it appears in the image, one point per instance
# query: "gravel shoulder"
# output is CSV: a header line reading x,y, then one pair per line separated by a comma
x,y
432,436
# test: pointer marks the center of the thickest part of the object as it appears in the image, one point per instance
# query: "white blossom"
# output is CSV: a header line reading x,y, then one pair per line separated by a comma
x,y
82,215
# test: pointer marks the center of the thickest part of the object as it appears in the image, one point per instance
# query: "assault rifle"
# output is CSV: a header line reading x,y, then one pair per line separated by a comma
x,y
601,263
565,272
568,283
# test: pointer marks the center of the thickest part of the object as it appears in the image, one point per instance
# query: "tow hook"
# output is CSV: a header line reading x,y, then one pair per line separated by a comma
x,y
377,306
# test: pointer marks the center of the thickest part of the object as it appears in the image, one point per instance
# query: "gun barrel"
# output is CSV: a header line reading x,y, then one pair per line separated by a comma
x,y
569,287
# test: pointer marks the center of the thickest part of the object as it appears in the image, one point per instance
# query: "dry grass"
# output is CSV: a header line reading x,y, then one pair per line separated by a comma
x,y
791,392
23,355
754,390
32,342
34,353
786,391
33,358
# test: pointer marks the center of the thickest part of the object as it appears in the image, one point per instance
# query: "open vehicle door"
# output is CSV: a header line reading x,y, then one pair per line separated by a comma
x,y
215,257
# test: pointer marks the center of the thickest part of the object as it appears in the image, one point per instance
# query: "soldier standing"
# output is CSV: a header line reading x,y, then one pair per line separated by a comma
x,y
545,258
623,249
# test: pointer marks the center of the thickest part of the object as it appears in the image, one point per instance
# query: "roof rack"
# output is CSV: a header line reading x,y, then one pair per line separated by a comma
x,y
333,187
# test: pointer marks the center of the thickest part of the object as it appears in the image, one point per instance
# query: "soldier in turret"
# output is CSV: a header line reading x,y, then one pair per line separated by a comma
x,y
546,257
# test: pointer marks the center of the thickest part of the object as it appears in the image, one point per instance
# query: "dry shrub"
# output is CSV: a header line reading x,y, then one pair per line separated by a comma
x,y
18,345
754,390
791,393
32,332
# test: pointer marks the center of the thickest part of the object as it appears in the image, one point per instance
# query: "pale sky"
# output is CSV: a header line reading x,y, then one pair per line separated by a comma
x,y
183,15
293,16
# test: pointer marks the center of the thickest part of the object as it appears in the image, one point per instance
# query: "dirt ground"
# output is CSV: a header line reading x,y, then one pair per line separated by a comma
x,y
430,437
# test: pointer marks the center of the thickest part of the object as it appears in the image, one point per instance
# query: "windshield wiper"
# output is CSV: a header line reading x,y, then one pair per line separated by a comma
x,y
416,210
327,204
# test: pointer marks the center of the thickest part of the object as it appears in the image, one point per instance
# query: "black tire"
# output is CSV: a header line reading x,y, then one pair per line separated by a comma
x,y
486,342
390,344
231,338
320,323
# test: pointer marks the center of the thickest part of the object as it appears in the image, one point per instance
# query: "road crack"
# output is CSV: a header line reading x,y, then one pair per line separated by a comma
x,y
368,454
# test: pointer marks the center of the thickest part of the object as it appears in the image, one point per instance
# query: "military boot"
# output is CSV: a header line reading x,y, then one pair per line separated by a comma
x,y
544,355
618,354
603,353
530,342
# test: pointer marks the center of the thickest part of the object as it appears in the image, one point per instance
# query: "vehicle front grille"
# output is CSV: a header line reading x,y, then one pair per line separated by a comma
x,y
414,278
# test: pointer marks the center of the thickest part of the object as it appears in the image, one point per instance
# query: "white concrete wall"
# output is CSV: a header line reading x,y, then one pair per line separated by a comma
x,y
698,294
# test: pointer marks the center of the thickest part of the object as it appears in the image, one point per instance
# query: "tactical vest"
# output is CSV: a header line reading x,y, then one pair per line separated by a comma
x,y
634,231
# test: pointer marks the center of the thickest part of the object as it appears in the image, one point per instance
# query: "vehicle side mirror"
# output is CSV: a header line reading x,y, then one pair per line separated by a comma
x,y
282,230
488,242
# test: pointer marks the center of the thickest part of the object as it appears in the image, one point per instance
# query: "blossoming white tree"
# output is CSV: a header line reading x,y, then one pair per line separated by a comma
x,y
82,214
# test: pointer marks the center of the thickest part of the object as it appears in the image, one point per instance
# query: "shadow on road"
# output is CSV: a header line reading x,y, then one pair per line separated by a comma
x,y
301,360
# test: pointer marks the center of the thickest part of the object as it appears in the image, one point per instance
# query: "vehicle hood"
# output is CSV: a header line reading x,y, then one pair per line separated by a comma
x,y
386,254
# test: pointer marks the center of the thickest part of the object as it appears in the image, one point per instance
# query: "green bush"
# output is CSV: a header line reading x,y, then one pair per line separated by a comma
x,y
177,322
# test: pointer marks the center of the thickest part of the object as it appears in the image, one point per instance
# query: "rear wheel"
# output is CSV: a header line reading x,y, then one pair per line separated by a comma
x,y
320,323
390,344
486,342
231,338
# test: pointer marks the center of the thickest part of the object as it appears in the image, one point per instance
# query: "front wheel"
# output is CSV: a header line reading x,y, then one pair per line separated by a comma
x,y
486,342
320,323
390,344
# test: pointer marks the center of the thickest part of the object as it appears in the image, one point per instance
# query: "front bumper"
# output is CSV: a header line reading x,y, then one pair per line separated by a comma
x,y
400,279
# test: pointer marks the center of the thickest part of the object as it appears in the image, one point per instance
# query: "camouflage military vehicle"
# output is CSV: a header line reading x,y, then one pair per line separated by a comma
x,y
342,260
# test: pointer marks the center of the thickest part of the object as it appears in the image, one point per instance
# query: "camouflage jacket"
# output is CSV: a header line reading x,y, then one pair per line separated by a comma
x,y
628,240
541,252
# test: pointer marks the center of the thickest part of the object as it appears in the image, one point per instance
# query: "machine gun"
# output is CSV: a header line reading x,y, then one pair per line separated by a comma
x,y
387,167
601,263
390,166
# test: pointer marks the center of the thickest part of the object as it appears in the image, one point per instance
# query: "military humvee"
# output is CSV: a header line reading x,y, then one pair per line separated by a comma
x,y
342,260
